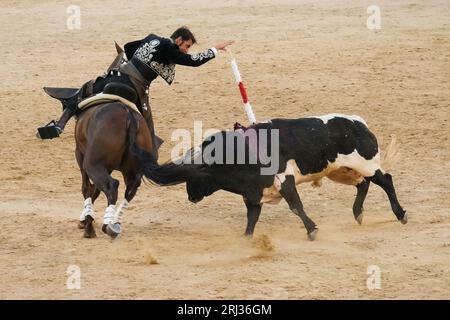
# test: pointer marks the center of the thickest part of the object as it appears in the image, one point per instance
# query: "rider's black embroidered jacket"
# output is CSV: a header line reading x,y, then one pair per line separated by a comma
x,y
155,56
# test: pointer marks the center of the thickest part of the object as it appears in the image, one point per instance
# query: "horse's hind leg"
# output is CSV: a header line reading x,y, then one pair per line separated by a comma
x,y
90,194
385,182
104,182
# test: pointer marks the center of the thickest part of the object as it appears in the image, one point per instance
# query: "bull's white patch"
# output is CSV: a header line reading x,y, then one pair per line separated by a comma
x,y
330,116
281,177
347,168
358,163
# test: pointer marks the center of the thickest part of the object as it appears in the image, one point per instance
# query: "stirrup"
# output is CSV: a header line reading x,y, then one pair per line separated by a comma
x,y
49,131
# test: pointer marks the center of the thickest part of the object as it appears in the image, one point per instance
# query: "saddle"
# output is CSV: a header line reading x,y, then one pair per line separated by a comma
x,y
112,92
70,98
61,93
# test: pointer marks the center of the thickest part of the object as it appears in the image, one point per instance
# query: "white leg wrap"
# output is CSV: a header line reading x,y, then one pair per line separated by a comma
x,y
109,214
118,215
88,210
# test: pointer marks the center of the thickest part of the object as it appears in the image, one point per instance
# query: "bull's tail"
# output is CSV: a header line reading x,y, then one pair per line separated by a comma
x,y
164,175
391,155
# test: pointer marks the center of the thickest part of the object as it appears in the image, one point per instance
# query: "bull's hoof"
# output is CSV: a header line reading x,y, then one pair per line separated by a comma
x,y
312,235
404,220
359,219
112,229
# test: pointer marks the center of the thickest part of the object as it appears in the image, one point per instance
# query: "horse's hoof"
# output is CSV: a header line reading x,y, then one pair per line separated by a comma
x,y
81,224
404,220
359,219
312,235
90,233
112,229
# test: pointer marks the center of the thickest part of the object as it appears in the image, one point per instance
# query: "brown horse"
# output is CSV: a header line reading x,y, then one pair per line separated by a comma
x,y
111,136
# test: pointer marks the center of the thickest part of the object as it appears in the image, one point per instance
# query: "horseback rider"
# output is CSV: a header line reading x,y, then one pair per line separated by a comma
x,y
130,75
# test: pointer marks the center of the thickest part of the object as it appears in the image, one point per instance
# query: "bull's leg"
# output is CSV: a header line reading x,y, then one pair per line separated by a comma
x,y
362,189
385,182
132,181
253,212
290,194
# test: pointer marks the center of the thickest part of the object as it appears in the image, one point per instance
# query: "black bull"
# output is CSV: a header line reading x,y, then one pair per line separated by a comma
x,y
335,146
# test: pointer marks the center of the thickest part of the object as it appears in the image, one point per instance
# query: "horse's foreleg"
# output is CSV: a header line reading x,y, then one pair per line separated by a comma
x,y
132,181
110,188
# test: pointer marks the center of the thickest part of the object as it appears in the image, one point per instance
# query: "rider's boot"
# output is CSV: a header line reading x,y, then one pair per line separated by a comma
x,y
54,128
70,108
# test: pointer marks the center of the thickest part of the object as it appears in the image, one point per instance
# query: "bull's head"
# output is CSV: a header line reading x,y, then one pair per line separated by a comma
x,y
200,185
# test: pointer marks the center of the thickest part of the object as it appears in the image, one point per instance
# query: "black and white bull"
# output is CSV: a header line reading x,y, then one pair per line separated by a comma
x,y
335,146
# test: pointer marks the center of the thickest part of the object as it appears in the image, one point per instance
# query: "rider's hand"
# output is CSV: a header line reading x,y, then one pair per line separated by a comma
x,y
223,46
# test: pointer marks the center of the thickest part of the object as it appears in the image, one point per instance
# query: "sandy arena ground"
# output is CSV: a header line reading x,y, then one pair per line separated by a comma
x,y
298,58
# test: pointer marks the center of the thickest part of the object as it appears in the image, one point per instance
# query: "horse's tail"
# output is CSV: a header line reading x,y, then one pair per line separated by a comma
x,y
165,175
